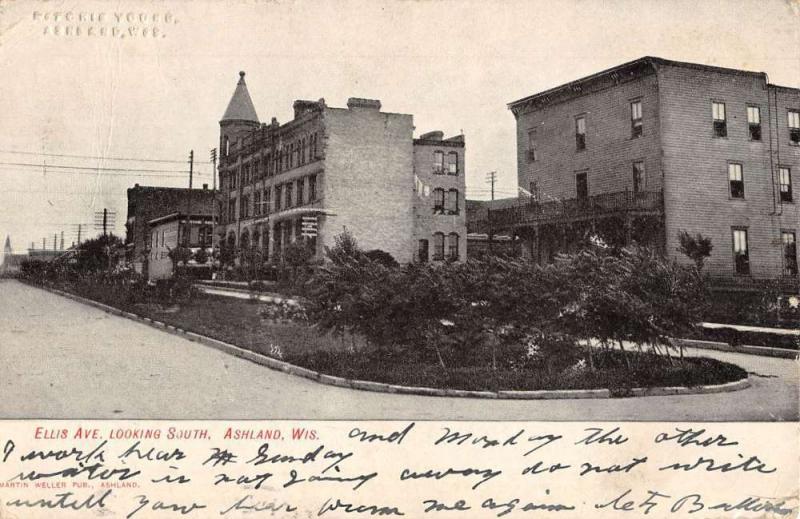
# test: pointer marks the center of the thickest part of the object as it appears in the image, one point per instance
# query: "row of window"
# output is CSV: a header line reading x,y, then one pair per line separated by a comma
x,y
445,202
293,155
718,115
289,194
286,231
741,252
736,182
439,166
720,122
442,244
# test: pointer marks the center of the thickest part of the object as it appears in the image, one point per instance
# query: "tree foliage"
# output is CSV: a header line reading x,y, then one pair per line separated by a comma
x,y
696,247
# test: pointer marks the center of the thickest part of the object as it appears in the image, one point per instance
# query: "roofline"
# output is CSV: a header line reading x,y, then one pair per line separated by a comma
x,y
652,60
781,87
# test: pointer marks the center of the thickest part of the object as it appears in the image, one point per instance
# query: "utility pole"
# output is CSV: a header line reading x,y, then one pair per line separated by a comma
x,y
491,178
62,241
55,241
79,235
187,230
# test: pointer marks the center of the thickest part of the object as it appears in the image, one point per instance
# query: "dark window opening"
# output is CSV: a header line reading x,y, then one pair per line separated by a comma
x,y
741,255
531,145
438,162
785,177
636,119
438,201
754,122
789,253
638,176
438,246
582,186
794,127
451,202
452,163
580,133
736,180
422,253
720,121
452,246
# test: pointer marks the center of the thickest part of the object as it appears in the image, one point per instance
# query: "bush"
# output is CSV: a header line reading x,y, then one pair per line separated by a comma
x,y
382,257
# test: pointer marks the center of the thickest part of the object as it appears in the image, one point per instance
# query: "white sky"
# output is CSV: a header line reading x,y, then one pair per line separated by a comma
x,y
454,65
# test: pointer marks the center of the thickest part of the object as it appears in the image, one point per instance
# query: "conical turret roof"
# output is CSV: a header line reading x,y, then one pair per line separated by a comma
x,y
241,106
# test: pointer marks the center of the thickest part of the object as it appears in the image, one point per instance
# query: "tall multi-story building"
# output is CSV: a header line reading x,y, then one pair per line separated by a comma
x,y
653,147
330,169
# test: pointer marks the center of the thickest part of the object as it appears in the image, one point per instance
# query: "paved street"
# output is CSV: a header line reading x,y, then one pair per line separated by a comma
x,y
62,359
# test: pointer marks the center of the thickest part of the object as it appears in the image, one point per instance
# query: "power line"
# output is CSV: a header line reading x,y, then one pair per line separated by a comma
x,y
17,152
175,173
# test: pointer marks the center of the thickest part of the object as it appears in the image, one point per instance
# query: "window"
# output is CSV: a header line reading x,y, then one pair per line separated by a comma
x,y
438,162
582,186
532,145
268,164
794,127
300,189
785,180
233,179
438,201
232,210
451,203
227,146
741,256
720,122
312,188
754,122
452,163
244,206
267,201
289,199
736,180
422,253
257,203
438,246
638,176
278,197
636,119
789,253
580,133
257,169
452,246
303,150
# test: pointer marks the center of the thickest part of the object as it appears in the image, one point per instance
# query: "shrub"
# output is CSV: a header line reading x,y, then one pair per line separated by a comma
x,y
697,247
381,257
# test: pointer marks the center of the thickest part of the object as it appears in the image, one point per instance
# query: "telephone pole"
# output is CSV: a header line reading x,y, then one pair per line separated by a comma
x,y
214,200
187,230
491,178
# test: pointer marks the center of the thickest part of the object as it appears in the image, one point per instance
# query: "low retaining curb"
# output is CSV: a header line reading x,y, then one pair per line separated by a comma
x,y
380,387
764,351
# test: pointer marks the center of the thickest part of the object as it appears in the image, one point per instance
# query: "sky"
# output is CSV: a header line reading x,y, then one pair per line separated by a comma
x,y
153,78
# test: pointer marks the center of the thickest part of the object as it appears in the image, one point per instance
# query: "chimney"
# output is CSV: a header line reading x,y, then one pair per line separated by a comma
x,y
136,185
205,187
366,104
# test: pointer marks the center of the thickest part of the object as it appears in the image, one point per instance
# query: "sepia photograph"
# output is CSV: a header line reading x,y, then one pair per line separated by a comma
x,y
442,210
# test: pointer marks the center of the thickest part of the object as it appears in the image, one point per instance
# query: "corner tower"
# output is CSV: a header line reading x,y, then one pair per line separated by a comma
x,y
240,118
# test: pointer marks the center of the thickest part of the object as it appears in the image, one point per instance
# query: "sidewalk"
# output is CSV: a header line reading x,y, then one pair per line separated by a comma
x,y
743,328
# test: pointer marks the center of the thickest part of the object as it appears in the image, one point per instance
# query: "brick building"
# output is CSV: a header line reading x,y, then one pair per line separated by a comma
x,y
334,168
169,232
147,203
653,147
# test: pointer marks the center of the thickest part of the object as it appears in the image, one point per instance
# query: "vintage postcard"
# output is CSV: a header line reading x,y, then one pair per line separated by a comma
x,y
399,258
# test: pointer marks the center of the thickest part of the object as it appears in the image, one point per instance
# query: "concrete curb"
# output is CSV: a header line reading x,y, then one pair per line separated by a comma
x,y
380,387
764,351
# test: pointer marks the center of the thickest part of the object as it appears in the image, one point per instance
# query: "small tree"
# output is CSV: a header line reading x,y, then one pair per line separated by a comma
x,y
696,247
345,247
382,257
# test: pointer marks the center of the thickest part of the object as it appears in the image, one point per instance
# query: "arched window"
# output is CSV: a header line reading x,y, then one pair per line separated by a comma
x,y
452,163
231,239
438,201
244,239
227,146
451,204
438,162
438,246
452,246
256,237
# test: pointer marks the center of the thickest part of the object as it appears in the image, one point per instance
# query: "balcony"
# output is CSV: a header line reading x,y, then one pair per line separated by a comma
x,y
577,209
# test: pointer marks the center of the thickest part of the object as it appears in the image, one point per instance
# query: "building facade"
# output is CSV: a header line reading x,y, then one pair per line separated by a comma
x,y
651,148
331,169
146,203
168,233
